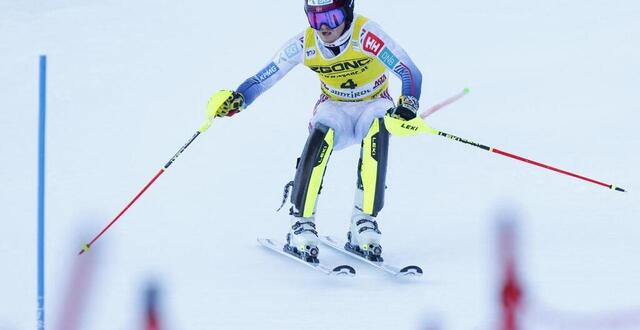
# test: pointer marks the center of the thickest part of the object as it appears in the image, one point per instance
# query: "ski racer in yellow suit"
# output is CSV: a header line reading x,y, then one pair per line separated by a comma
x,y
352,56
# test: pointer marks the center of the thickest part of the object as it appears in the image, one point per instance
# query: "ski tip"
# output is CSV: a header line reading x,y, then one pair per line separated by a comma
x,y
466,90
265,241
344,270
411,271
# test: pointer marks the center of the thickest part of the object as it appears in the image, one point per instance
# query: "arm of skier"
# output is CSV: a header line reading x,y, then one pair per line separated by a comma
x,y
377,43
285,59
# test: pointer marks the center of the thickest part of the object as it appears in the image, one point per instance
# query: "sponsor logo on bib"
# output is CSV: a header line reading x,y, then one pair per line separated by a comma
x,y
310,53
345,66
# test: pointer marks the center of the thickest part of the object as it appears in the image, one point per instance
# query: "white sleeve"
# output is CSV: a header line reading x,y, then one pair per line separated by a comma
x,y
377,43
286,58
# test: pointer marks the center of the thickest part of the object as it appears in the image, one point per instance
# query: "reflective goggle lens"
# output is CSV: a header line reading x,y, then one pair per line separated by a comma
x,y
332,18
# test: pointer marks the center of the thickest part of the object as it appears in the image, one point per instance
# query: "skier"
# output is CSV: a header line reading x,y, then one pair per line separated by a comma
x,y
352,56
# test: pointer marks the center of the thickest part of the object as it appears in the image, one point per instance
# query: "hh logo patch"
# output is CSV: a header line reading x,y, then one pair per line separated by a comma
x,y
388,58
372,43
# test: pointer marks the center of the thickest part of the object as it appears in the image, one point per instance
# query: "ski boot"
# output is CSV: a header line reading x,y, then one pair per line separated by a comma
x,y
302,239
363,238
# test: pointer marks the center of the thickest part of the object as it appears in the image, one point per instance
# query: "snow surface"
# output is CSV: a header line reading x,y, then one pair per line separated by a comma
x,y
553,80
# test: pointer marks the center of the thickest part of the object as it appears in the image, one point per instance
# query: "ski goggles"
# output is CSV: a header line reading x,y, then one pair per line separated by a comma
x,y
332,18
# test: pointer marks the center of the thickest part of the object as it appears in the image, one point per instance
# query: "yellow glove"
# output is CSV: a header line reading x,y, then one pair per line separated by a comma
x,y
222,103
233,104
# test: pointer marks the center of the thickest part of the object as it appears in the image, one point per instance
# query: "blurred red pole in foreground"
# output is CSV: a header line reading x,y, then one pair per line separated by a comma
x,y
78,293
511,298
510,292
152,319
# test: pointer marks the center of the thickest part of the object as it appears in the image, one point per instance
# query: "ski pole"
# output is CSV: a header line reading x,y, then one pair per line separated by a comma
x,y
216,101
444,103
417,125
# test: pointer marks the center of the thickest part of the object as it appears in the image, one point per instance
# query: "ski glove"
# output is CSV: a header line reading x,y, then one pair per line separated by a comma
x,y
407,108
233,105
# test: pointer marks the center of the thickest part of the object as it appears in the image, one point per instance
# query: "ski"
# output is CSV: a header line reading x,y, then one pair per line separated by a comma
x,y
277,246
393,270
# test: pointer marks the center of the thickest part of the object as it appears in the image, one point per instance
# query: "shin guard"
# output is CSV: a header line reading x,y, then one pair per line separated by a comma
x,y
310,170
372,169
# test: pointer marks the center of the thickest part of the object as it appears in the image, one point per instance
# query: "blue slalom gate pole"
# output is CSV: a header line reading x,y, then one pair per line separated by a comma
x,y
41,163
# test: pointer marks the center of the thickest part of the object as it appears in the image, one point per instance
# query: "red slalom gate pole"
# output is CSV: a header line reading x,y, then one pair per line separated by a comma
x,y
444,103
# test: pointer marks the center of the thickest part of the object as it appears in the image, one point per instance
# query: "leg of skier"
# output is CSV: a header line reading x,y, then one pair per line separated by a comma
x,y
337,125
364,235
302,239
331,129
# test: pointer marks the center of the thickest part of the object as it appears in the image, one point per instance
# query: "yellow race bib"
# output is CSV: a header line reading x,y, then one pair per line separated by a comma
x,y
352,75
